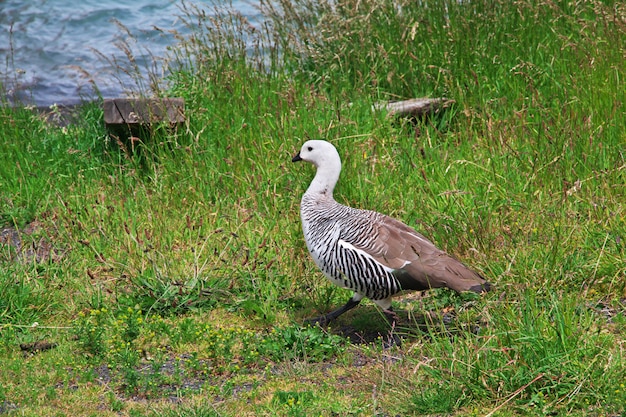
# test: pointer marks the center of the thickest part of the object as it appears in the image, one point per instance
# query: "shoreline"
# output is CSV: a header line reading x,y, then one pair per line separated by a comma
x,y
61,115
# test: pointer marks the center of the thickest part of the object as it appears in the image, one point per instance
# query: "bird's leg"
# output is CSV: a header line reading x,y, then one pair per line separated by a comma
x,y
327,318
392,318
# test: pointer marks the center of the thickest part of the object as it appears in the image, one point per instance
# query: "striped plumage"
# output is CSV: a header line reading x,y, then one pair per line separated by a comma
x,y
367,252
333,234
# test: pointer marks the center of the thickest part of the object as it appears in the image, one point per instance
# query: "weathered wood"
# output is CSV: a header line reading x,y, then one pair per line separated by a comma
x,y
131,121
38,346
127,111
415,107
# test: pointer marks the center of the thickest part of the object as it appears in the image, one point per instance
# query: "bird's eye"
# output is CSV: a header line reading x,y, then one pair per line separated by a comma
x,y
310,148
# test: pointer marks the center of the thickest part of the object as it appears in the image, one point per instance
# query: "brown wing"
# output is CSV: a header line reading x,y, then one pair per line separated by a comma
x,y
418,263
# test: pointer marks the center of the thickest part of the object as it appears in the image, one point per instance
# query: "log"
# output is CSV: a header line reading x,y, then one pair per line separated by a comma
x,y
38,346
415,107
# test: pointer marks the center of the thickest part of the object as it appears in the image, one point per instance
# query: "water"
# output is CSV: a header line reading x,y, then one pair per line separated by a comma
x,y
49,46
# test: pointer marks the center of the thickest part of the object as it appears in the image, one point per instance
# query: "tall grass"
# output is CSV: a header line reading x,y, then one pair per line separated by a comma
x,y
182,273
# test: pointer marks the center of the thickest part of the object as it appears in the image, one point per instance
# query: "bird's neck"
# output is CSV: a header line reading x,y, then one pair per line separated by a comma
x,y
325,180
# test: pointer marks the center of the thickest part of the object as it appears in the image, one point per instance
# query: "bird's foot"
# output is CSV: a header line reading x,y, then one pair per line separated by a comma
x,y
325,319
391,317
321,321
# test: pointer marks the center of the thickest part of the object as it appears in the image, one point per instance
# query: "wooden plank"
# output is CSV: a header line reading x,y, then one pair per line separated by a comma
x,y
143,111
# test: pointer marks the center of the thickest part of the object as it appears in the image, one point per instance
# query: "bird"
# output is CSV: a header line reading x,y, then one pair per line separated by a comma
x,y
372,254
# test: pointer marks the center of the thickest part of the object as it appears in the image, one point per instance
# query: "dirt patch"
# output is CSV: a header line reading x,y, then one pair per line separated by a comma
x,y
32,243
7,406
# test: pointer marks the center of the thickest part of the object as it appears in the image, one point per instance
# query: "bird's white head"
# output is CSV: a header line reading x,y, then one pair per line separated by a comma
x,y
318,152
326,159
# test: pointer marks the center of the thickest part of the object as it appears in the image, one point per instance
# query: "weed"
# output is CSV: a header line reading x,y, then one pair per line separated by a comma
x,y
295,342
91,330
294,403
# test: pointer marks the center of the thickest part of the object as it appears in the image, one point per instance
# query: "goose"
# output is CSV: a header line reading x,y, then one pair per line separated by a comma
x,y
374,255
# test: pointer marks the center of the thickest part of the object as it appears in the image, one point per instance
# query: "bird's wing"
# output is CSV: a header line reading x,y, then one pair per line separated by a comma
x,y
417,263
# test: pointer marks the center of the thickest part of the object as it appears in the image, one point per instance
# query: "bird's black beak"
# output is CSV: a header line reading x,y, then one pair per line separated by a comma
x,y
296,158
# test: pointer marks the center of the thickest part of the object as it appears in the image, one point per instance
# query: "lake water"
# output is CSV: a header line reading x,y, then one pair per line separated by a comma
x,y
48,47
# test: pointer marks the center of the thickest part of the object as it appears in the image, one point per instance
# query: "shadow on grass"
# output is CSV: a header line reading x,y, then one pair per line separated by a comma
x,y
369,327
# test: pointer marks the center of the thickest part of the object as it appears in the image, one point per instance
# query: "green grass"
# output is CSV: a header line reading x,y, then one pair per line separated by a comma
x,y
174,280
